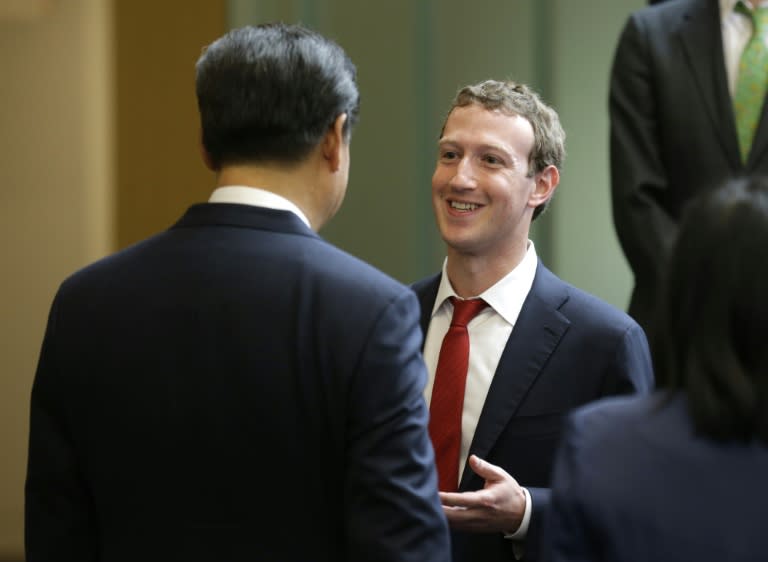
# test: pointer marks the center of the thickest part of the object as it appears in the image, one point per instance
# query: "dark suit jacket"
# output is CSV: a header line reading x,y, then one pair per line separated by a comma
x,y
673,133
234,388
566,349
633,483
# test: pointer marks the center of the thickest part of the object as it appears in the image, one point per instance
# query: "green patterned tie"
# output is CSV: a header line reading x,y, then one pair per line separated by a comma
x,y
752,79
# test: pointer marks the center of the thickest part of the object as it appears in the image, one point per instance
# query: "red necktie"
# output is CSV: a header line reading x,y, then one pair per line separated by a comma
x,y
448,393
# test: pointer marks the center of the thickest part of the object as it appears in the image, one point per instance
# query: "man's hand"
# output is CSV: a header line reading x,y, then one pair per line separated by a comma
x,y
498,507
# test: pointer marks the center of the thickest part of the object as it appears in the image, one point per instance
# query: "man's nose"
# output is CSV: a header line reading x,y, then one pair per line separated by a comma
x,y
464,178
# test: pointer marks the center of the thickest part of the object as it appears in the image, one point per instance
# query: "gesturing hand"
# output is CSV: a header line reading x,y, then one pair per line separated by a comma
x,y
498,507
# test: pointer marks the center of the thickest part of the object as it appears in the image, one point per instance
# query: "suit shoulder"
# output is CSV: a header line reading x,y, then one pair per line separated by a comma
x,y
616,408
104,267
351,272
652,28
666,12
585,306
614,417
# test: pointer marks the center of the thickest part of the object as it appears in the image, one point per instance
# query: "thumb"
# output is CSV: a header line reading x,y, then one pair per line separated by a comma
x,y
486,470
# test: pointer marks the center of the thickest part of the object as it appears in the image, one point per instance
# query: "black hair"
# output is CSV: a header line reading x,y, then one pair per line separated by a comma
x,y
269,93
711,342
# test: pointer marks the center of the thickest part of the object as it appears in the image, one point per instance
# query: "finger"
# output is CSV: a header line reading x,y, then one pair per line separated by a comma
x,y
486,470
463,499
461,519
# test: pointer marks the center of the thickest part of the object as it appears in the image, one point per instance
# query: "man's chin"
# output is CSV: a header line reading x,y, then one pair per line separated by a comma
x,y
461,245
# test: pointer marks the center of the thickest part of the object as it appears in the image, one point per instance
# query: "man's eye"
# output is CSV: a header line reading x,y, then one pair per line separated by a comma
x,y
448,155
490,159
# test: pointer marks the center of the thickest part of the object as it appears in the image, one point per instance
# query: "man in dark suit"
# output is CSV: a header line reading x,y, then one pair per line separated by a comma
x,y
236,388
673,132
539,348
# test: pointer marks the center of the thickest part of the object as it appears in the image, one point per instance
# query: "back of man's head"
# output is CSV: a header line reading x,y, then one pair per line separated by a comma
x,y
269,93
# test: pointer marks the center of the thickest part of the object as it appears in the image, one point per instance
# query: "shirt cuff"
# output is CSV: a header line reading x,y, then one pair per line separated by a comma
x,y
522,530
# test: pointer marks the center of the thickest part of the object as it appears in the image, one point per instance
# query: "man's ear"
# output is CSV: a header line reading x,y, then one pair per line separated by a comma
x,y
546,182
333,142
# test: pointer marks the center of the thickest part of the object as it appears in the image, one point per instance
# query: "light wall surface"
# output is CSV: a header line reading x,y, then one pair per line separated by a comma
x,y
585,249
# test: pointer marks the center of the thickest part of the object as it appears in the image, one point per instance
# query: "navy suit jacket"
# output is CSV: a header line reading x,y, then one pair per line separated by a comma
x,y
566,349
673,133
633,482
234,388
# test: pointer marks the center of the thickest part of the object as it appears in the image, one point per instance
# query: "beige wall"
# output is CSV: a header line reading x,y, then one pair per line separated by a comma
x,y
55,201
98,148
159,170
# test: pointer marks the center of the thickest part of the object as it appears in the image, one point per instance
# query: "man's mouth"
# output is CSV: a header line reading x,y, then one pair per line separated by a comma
x,y
459,206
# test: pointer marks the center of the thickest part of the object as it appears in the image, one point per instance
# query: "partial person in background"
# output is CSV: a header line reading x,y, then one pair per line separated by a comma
x,y
686,112
236,388
681,475
537,347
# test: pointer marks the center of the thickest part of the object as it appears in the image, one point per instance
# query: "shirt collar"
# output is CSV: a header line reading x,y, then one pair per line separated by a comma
x,y
727,6
258,197
507,295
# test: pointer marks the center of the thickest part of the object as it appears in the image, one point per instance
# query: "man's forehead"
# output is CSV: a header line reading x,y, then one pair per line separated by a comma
x,y
480,124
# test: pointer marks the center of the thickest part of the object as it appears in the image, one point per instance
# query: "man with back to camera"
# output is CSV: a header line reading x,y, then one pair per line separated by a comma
x,y
236,388
537,346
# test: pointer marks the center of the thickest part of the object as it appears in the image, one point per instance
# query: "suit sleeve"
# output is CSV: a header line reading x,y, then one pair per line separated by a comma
x,y
59,518
393,509
638,175
566,532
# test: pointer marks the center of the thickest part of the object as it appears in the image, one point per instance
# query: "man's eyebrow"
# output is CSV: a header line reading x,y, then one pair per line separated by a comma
x,y
496,148
483,147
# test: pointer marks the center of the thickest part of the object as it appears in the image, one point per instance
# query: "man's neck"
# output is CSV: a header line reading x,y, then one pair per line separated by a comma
x,y
471,275
288,182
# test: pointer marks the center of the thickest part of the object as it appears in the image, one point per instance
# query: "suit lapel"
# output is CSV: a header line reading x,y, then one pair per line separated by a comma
x,y
701,41
426,291
535,336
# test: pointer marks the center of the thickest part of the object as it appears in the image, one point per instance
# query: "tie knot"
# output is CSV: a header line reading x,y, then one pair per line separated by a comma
x,y
466,310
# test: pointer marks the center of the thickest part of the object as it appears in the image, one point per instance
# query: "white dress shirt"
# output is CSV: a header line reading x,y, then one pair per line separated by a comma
x,y
243,195
488,335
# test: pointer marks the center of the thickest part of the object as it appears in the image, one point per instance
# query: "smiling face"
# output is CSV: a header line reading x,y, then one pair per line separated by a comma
x,y
482,195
